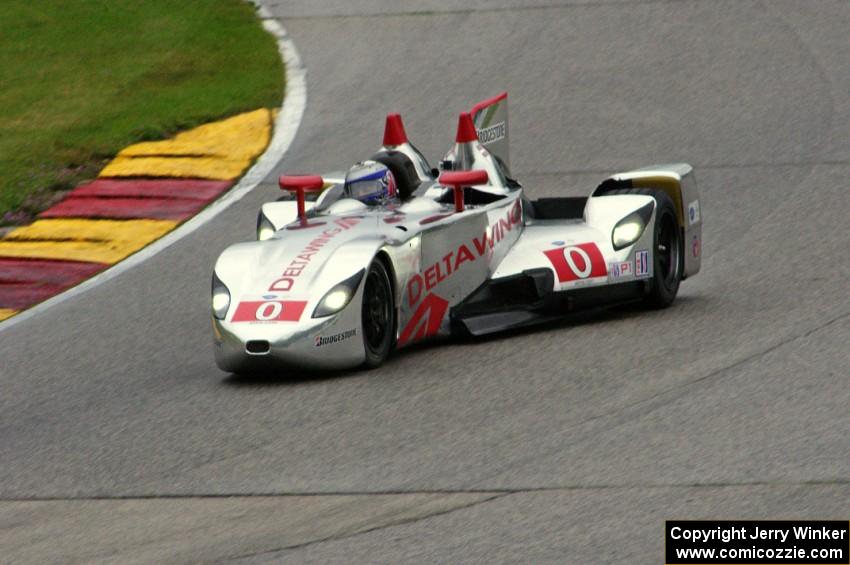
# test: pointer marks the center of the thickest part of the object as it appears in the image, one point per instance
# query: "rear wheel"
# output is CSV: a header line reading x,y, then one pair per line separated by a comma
x,y
667,248
667,268
377,315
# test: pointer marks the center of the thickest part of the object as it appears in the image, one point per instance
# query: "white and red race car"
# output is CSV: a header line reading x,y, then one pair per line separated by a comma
x,y
332,282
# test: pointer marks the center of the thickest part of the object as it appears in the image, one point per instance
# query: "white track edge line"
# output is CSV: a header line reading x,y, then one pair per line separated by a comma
x,y
285,127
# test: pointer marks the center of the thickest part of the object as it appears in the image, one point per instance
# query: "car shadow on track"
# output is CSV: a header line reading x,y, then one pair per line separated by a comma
x,y
306,377
577,320
276,378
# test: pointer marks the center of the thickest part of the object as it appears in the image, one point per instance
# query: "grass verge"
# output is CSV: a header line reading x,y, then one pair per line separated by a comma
x,y
82,79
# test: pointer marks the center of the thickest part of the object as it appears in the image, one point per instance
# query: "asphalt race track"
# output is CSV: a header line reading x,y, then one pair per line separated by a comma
x,y
121,440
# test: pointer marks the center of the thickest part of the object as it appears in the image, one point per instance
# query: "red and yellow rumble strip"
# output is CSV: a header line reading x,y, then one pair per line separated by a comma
x,y
142,194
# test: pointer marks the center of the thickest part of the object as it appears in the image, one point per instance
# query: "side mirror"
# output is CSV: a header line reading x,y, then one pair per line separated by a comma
x,y
300,184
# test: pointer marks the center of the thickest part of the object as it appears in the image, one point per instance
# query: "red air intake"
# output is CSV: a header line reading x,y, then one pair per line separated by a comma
x,y
466,129
394,133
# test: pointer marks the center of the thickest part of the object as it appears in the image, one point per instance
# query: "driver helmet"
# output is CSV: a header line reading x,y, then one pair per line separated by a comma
x,y
370,182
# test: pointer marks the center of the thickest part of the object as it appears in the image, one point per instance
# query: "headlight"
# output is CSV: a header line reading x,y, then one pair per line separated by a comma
x,y
629,229
220,298
338,297
265,229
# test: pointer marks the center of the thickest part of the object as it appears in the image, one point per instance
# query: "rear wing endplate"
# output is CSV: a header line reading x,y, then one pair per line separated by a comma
x,y
491,123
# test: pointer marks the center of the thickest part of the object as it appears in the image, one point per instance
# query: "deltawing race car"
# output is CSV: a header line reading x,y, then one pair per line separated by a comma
x,y
335,282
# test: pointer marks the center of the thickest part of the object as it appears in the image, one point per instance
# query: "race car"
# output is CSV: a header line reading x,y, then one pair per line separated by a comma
x,y
393,251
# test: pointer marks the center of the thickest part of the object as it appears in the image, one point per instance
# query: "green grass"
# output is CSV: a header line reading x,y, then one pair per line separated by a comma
x,y
82,79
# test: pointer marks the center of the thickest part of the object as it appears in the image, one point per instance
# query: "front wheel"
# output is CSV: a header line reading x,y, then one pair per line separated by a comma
x,y
377,315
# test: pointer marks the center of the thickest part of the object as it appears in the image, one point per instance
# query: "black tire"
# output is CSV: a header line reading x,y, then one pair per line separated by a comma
x,y
378,318
667,252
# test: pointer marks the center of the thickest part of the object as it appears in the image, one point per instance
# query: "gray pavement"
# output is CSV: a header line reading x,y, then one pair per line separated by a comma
x,y
571,443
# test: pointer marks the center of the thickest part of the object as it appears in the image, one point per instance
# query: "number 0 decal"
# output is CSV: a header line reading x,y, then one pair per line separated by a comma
x,y
269,311
571,253
576,262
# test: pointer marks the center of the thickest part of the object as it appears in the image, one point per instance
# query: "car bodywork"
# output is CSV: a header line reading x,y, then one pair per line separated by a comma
x,y
498,260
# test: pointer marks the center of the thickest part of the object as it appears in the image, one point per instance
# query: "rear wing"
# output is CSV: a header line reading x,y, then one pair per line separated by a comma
x,y
491,123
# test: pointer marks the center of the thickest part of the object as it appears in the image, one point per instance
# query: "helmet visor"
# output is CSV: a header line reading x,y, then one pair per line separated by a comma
x,y
370,185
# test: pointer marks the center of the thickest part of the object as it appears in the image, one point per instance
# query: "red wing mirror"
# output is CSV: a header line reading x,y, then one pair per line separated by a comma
x,y
301,184
458,179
